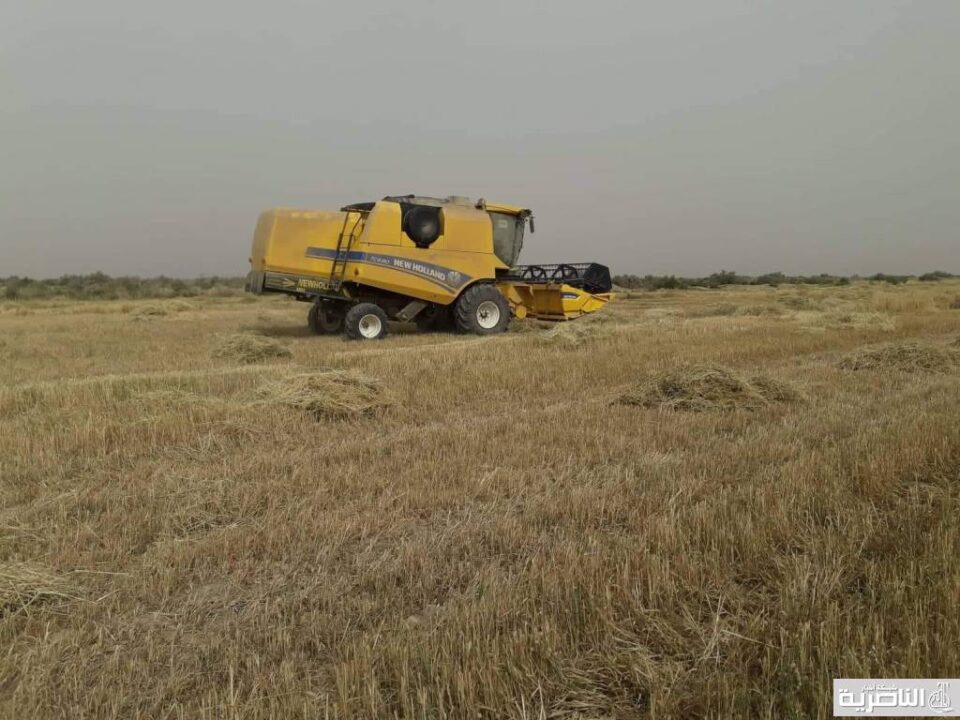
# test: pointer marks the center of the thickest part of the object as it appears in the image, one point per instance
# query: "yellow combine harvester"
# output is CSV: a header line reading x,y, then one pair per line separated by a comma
x,y
440,262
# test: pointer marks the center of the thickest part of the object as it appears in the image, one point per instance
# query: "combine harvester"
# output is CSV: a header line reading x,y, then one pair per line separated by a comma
x,y
439,262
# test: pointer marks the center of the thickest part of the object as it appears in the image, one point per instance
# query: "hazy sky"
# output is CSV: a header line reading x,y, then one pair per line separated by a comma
x,y
661,137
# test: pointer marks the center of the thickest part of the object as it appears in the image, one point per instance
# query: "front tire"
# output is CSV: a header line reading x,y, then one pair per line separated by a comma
x,y
482,310
365,321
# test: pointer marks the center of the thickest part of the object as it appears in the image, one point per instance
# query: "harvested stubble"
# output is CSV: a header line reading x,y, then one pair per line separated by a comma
x,y
856,320
530,325
760,310
799,302
707,387
722,310
905,357
249,348
328,394
180,305
613,314
576,333
23,585
499,545
150,310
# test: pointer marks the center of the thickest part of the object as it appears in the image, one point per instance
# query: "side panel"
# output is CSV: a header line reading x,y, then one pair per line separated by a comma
x,y
291,232
427,274
382,226
387,259
261,239
465,229
303,244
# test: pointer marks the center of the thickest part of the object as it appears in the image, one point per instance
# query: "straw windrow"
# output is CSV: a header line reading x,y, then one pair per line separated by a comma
x,y
707,387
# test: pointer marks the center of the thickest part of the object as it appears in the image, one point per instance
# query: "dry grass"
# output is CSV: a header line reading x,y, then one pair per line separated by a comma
x,y
148,311
23,586
180,305
137,310
707,387
905,357
584,331
328,394
799,302
529,326
245,348
856,320
722,310
760,310
500,542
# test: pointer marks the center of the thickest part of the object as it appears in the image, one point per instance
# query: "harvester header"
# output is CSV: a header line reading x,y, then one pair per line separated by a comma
x,y
438,261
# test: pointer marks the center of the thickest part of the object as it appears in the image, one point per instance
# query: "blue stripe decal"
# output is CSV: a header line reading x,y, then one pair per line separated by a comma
x,y
443,276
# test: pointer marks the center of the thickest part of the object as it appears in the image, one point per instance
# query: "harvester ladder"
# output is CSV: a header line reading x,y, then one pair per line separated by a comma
x,y
344,243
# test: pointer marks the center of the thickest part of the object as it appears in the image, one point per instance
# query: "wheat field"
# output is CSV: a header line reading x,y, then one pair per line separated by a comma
x,y
695,504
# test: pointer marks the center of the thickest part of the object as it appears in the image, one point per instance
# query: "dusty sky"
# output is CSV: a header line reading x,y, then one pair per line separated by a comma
x,y
661,137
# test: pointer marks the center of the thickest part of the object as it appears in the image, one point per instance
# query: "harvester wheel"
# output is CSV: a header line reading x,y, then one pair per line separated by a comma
x,y
325,318
482,310
365,321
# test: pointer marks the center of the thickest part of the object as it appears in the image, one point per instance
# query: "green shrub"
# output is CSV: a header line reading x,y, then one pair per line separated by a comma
x,y
935,276
99,286
725,277
891,279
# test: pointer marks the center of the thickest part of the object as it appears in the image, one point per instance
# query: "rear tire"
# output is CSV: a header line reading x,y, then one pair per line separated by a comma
x,y
365,321
325,318
482,310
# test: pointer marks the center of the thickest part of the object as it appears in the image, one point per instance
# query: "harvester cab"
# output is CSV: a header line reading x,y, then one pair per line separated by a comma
x,y
443,263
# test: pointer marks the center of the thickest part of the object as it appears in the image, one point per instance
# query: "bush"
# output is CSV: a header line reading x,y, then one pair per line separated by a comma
x,y
773,279
99,286
651,282
725,277
891,279
935,276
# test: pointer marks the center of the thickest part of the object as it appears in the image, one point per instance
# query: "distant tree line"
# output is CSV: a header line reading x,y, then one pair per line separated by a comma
x,y
729,277
98,286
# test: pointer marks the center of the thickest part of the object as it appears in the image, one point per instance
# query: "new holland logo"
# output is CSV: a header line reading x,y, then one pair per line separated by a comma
x,y
311,284
446,277
421,269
